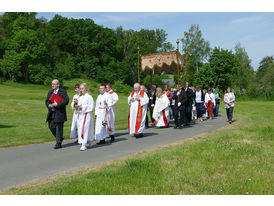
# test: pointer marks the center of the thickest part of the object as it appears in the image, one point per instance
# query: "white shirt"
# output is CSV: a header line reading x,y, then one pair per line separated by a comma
x,y
228,98
198,98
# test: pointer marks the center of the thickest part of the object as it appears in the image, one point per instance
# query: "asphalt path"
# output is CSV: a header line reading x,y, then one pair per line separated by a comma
x,y
25,164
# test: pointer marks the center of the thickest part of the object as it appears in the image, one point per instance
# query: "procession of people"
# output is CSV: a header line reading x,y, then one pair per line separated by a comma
x,y
184,105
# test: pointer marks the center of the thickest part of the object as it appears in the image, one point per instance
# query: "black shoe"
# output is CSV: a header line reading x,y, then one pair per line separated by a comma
x,y
101,142
57,146
180,127
112,138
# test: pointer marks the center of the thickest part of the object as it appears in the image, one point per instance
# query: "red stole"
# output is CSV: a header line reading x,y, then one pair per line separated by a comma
x,y
139,113
111,92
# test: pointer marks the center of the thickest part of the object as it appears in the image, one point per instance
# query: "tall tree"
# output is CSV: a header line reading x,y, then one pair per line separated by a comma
x,y
197,47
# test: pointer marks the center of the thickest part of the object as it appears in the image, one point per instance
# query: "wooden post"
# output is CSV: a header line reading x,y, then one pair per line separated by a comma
x,y
138,65
186,66
178,69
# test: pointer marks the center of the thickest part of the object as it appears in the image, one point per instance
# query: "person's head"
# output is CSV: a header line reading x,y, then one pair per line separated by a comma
x,y
108,87
228,90
55,84
143,87
172,89
153,87
159,92
180,87
77,88
192,88
166,87
215,90
198,88
136,87
84,89
209,90
102,89
204,91
186,85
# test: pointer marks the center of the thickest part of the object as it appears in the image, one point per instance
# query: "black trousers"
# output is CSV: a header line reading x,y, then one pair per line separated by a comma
x,y
229,113
56,129
151,112
179,116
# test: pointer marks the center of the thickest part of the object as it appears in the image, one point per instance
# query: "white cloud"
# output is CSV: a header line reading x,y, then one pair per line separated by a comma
x,y
248,19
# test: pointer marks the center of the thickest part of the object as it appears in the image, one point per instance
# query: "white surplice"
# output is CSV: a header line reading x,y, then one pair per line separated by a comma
x,y
74,124
134,110
161,111
85,120
112,111
102,114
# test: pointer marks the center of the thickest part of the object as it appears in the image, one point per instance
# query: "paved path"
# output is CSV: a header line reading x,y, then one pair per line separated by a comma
x,y
24,164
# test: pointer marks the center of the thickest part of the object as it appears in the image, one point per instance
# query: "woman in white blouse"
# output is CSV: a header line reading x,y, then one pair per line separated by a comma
x,y
229,99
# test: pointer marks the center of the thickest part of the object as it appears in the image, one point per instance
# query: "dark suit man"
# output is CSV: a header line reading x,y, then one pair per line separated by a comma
x,y
57,113
190,97
152,100
179,107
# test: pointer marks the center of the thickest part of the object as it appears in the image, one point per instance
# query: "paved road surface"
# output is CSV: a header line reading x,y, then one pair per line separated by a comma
x,y
24,164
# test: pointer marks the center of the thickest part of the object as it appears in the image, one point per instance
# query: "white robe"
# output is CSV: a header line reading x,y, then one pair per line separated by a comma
x,y
133,113
85,120
102,114
74,124
161,104
112,111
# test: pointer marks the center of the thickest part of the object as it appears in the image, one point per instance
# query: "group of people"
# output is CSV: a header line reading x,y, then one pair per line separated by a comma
x,y
183,105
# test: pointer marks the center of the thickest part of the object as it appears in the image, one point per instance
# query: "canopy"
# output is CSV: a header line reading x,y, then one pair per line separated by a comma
x,y
158,63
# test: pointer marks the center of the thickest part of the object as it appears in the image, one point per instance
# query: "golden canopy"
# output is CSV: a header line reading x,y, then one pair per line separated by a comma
x,y
162,62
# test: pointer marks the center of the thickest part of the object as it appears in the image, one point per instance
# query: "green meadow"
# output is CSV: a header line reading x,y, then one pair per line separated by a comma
x,y
236,159
23,112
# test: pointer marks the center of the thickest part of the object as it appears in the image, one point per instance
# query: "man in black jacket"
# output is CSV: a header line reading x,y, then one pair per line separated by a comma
x,y
152,99
57,112
179,107
190,96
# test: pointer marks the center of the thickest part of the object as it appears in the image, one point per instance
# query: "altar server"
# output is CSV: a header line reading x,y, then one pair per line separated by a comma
x,y
74,130
85,119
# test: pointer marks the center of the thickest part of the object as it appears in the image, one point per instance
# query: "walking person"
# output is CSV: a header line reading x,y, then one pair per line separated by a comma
x,y
179,107
85,107
217,101
74,123
112,110
210,102
199,98
229,100
56,103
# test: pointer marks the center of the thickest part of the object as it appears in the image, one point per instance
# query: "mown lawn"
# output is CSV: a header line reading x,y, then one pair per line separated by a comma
x,y
23,112
236,159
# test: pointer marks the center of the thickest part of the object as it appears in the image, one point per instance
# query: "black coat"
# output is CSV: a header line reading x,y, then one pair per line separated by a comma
x,y
190,97
59,112
153,100
183,99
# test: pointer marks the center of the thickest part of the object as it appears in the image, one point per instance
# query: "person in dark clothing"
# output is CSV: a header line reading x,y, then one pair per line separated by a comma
x,y
199,99
152,100
189,102
179,107
57,112
145,90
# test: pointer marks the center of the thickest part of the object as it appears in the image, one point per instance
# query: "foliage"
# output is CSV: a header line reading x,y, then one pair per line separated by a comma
x,y
205,77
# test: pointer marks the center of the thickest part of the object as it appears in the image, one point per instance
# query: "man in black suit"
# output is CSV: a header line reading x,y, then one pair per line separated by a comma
x,y
179,107
57,112
190,96
152,99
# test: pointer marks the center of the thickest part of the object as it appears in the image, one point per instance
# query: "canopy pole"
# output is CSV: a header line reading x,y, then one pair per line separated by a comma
x,y
138,65
186,66
178,70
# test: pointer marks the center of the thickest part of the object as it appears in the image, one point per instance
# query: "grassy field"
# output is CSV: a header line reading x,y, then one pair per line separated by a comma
x,y
23,112
236,159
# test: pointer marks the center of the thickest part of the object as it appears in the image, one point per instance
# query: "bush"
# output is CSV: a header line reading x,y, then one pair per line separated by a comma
x,y
119,87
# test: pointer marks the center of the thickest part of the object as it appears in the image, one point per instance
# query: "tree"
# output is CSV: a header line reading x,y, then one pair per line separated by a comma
x,y
224,64
245,73
205,77
198,49
263,65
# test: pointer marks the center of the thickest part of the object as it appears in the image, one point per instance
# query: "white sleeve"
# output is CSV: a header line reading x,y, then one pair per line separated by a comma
x,y
72,103
129,97
96,106
109,101
115,98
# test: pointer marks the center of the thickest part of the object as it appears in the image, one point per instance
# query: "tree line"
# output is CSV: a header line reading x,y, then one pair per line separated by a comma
x,y
36,50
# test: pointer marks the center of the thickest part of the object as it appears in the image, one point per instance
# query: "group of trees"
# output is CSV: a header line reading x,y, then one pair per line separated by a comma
x,y
36,50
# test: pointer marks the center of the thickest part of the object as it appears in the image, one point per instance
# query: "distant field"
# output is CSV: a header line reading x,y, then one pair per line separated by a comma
x,y
23,112
237,159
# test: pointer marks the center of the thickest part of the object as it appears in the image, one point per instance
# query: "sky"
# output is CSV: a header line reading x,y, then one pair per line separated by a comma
x,y
253,30
223,23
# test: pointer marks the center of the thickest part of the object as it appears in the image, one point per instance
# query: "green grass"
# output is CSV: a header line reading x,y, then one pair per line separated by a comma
x,y
236,159
23,112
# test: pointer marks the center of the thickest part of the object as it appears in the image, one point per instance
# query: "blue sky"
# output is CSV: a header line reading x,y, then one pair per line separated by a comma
x,y
255,31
